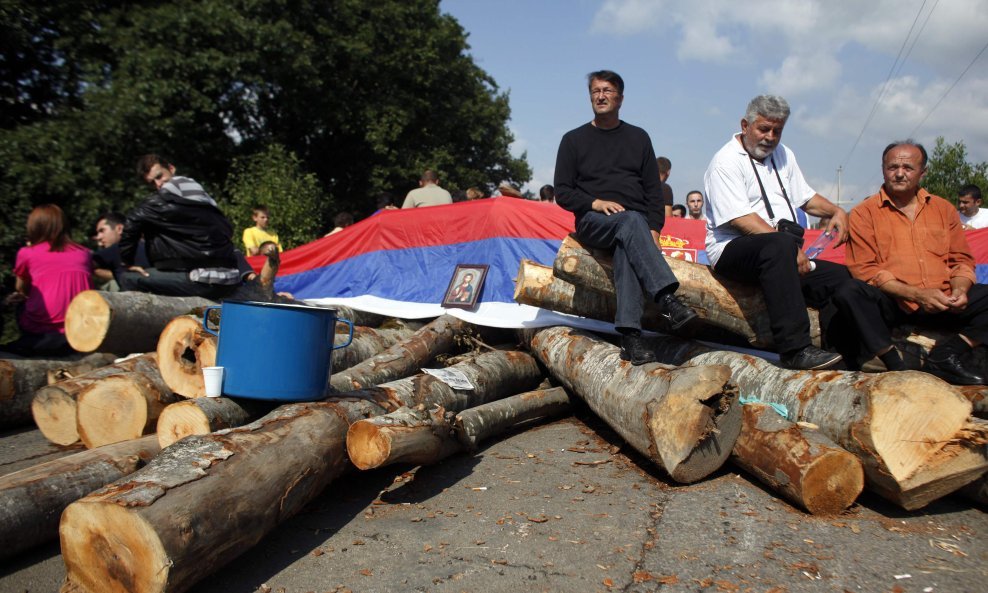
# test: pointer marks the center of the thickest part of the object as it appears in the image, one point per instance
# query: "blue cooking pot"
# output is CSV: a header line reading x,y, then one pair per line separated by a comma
x,y
275,351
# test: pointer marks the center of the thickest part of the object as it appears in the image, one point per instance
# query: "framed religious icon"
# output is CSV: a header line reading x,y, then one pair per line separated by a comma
x,y
464,286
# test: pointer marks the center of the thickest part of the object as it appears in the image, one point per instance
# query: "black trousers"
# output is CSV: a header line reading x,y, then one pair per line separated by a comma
x,y
638,263
875,314
769,261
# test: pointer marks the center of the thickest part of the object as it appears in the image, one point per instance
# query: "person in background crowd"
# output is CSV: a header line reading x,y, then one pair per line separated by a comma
x,y
908,248
49,272
340,222
474,193
665,169
187,237
428,193
694,205
509,190
547,194
606,175
969,205
106,260
459,196
678,211
259,233
386,201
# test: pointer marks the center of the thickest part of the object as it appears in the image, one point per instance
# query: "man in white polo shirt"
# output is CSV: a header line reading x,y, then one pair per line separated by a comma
x,y
973,216
753,186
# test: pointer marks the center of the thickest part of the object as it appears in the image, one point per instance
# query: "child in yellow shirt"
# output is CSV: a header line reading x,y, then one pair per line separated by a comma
x,y
258,234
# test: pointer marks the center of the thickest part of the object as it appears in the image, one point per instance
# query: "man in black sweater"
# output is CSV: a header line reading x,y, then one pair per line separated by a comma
x,y
607,175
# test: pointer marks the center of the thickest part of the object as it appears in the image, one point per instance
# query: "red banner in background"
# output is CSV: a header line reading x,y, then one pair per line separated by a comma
x,y
684,238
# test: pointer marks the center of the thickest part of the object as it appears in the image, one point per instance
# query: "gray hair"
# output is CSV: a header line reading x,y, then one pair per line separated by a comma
x,y
767,106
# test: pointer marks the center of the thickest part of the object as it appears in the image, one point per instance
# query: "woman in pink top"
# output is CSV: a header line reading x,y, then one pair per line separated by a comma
x,y
50,271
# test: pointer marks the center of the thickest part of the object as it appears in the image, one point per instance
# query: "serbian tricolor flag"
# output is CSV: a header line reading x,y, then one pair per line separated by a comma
x,y
400,262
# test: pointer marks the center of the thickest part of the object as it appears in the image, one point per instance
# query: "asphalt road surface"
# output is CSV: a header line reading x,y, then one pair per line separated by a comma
x,y
566,507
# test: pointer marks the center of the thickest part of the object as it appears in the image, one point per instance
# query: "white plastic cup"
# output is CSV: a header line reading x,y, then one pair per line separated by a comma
x,y
213,377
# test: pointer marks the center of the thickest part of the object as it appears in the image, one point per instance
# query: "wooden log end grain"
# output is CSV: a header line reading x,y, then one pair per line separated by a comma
x,y
367,445
698,438
113,409
108,549
184,347
54,413
832,483
907,426
87,320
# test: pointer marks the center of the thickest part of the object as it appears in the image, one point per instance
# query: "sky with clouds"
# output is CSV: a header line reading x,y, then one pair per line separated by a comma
x,y
690,68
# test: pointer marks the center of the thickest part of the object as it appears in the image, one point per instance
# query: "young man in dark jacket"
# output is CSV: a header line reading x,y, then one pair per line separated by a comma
x,y
187,238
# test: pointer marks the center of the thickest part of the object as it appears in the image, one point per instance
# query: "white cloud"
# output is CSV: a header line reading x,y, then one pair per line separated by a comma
x,y
801,74
702,43
627,17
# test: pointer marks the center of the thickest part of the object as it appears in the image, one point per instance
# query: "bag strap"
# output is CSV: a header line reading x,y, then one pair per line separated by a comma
x,y
768,206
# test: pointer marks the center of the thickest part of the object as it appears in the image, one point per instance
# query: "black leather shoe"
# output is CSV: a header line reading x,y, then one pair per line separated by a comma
x,y
635,350
674,311
809,358
952,371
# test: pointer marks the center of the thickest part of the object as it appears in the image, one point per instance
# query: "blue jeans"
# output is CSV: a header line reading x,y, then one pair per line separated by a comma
x,y
638,264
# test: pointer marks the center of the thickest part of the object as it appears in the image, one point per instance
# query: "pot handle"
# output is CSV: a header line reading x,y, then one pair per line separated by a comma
x,y
349,338
205,319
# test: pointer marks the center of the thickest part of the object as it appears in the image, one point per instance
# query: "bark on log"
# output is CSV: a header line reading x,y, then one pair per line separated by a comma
x,y
21,377
122,407
909,429
184,348
190,510
684,420
475,425
32,500
122,322
800,463
367,342
719,302
424,437
204,415
404,358
55,407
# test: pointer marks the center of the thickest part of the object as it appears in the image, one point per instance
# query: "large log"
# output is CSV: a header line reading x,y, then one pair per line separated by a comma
x,y
909,429
719,302
32,500
185,347
21,377
204,415
683,420
798,462
206,499
122,407
55,406
122,322
404,358
425,437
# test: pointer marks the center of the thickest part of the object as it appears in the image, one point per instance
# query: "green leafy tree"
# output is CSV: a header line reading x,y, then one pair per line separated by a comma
x,y
948,169
366,94
275,179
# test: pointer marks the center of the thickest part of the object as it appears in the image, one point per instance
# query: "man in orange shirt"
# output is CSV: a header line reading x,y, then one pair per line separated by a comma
x,y
908,247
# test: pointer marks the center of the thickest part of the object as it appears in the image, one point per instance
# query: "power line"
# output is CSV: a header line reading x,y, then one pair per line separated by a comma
x,y
944,96
885,85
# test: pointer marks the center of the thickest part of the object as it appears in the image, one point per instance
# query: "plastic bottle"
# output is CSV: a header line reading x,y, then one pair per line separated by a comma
x,y
819,245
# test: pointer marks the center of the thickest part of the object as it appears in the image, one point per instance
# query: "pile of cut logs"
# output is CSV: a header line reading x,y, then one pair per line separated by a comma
x,y
138,509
